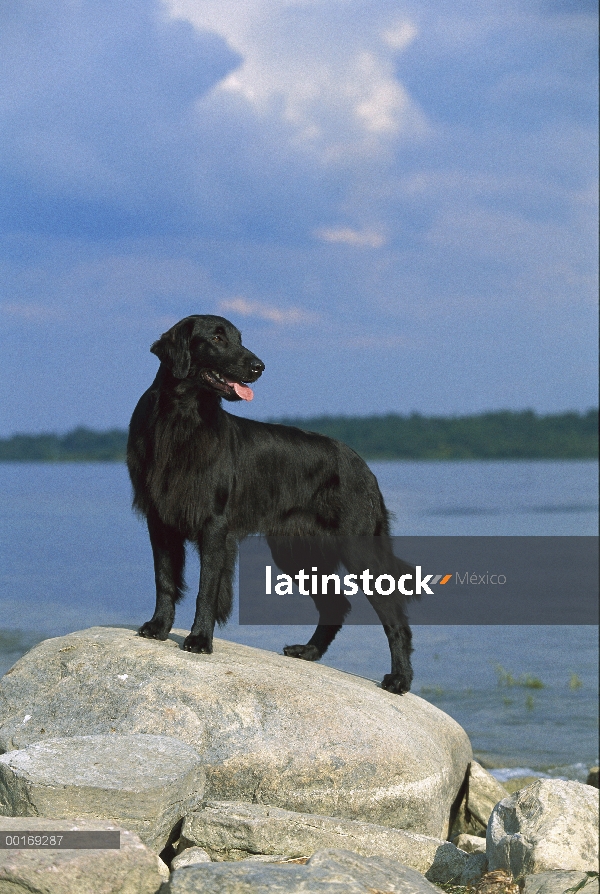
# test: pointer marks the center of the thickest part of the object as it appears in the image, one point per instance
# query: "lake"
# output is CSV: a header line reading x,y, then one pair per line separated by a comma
x,y
74,556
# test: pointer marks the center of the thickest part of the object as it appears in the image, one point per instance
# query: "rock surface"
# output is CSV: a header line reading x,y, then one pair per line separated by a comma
x,y
274,858
560,882
471,844
327,872
191,856
477,866
269,729
484,792
234,830
551,824
141,782
163,869
131,870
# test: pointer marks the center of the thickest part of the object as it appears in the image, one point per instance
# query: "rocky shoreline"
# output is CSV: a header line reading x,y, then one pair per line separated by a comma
x,y
245,771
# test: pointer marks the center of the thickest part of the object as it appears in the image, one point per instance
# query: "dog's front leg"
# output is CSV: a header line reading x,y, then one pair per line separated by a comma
x,y
217,549
168,550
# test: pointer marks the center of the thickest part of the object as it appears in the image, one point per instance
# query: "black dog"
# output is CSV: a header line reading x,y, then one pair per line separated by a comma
x,y
202,475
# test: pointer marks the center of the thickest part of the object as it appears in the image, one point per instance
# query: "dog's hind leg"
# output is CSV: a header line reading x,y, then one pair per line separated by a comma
x,y
332,613
317,645
168,550
376,555
291,554
400,641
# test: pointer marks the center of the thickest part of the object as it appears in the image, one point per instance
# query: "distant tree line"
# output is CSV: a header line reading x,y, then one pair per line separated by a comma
x,y
500,435
80,445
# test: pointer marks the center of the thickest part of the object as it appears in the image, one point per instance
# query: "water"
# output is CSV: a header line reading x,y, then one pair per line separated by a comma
x,y
74,556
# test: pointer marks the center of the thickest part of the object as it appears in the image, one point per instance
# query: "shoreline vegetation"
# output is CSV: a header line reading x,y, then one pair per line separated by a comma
x,y
498,435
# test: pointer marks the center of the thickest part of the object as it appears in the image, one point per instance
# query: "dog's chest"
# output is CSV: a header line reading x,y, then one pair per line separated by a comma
x,y
184,482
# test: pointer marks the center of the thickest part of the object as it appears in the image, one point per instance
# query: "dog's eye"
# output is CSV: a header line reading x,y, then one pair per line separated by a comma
x,y
217,338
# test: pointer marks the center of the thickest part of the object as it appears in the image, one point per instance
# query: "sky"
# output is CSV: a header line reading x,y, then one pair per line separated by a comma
x,y
396,202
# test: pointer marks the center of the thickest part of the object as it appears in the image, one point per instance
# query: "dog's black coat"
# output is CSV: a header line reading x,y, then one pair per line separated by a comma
x,y
202,475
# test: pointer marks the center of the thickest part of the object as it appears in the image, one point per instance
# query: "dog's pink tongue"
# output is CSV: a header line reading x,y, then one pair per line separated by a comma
x,y
242,391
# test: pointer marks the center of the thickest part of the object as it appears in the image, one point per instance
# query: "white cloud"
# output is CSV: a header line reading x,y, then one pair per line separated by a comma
x,y
382,104
348,236
282,316
400,35
333,84
379,342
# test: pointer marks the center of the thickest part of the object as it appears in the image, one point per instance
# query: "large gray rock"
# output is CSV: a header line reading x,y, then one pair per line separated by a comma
x,y
327,872
551,824
234,830
270,729
482,794
133,869
144,783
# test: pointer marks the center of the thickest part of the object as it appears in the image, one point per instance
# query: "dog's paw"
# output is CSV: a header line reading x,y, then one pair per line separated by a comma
x,y
395,683
308,652
197,643
152,630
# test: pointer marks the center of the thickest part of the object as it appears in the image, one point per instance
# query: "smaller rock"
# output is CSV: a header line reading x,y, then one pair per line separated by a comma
x,y
559,882
132,869
551,824
515,783
327,872
476,867
163,869
447,869
142,782
592,778
274,858
190,857
234,830
482,794
471,844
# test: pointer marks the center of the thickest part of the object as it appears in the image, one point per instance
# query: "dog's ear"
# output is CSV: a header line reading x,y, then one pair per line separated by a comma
x,y
173,348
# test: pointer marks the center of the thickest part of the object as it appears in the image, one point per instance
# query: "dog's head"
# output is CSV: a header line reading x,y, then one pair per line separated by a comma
x,y
209,351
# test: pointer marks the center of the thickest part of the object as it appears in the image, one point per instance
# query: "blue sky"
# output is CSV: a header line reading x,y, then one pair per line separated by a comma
x,y
396,202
